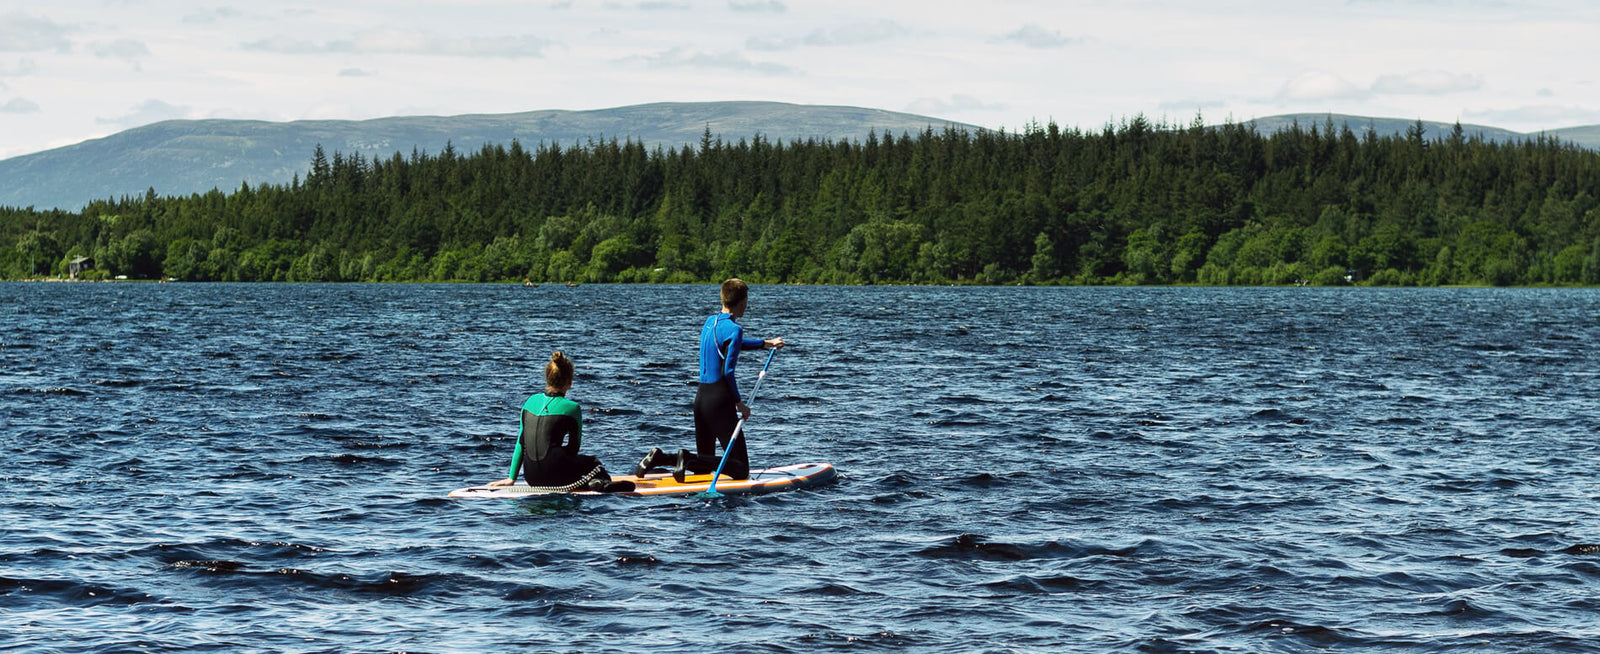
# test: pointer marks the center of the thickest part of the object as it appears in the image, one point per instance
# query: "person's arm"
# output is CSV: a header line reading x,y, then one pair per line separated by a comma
x,y
516,458
577,430
731,360
738,400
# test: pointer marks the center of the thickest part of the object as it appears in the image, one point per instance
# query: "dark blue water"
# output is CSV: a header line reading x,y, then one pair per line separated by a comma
x,y
263,468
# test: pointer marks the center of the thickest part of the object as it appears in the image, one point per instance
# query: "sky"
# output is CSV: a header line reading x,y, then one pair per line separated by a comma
x,y
72,70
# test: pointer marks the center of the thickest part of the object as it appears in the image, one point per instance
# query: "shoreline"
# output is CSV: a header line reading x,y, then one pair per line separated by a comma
x,y
59,280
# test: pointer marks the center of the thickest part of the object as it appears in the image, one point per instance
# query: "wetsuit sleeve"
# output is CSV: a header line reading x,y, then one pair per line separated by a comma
x,y
516,453
577,430
731,359
516,457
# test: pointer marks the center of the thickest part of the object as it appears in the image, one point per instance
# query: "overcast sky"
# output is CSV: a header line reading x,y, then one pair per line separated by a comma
x,y
72,70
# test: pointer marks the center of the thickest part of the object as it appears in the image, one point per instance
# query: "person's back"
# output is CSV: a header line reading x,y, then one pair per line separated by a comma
x,y
552,432
546,454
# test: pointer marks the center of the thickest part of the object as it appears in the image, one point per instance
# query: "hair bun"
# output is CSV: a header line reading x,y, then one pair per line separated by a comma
x,y
558,373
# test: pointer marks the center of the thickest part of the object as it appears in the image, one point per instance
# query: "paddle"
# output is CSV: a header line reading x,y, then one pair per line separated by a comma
x,y
711,491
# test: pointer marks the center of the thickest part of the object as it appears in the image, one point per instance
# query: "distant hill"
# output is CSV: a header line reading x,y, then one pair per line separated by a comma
x,y
1587,136
179,157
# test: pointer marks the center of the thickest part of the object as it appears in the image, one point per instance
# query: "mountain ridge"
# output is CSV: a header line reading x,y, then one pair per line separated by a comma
x,y
1585,136
182,157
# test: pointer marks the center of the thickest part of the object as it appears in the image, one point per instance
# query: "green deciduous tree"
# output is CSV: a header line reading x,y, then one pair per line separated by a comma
x,y
38,248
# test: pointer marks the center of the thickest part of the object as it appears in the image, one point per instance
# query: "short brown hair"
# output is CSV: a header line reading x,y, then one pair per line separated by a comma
x,y
734,292
557,374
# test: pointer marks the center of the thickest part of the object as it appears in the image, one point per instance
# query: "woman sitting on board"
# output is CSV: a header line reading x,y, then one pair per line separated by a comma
x,y
548,419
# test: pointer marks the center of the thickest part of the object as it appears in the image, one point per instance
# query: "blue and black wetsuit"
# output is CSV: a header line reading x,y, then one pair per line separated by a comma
x,y
721,341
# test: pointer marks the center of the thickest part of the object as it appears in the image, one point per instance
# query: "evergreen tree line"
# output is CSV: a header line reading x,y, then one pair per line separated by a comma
x,y
1135,203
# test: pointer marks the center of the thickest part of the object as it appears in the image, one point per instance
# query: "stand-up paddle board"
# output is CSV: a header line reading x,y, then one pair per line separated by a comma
x,y
764,480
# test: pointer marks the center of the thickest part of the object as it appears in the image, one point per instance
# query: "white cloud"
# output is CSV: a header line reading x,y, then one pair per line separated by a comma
x,y
1435,5
1427,82
855,34
758,6
651,5
682,57
124,49
1034,36
24,68
1191,105
150,111
287,45
19,106
1080,64
212,16
1549,115
21,32
1320,85
328,111
934,107
408,43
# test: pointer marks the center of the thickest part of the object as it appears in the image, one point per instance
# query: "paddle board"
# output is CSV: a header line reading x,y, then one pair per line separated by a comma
x,y
764,480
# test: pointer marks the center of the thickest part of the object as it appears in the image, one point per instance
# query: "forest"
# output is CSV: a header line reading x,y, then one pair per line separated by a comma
x,y
1132,203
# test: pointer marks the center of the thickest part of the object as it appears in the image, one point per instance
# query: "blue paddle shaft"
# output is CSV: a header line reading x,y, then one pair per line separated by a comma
x,y
738,427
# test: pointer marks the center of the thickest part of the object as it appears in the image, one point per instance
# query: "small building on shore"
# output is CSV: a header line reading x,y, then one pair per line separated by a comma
x,y
79,265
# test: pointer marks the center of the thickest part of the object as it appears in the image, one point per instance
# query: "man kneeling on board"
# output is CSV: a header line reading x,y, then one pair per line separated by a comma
x,y
719,409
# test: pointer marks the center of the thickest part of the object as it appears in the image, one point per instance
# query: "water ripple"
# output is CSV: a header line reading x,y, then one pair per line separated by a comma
x,y
262,467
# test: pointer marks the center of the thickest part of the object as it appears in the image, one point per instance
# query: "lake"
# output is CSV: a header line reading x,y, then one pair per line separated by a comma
x,y
221,467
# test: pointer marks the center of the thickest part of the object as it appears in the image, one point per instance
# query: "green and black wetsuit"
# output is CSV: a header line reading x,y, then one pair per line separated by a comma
x,y
547,445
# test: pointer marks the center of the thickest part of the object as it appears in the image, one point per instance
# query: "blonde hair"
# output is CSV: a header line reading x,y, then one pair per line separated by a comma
x,y
734,292
557,374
